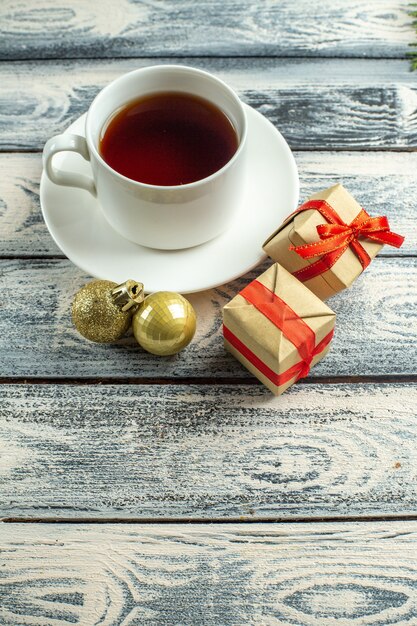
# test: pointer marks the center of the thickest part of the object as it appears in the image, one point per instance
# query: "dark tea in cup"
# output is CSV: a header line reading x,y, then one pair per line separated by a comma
x,y
168,138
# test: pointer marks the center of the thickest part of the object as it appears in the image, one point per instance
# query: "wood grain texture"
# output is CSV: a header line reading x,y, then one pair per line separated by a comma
x,y
317,104
376,330
22,229
204,451
163,451
385,183
264,575
74,28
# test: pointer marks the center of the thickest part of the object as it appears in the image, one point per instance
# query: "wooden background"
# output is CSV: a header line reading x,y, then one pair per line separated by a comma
x,y
137,490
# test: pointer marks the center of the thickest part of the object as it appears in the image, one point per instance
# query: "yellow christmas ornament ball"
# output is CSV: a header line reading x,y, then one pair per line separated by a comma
x,y
102,310
164,323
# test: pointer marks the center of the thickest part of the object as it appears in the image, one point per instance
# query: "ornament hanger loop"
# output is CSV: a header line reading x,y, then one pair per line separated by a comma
x,y
128,294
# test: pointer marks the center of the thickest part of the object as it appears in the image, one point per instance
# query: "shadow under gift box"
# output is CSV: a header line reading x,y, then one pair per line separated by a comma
x,y
277,328
301,228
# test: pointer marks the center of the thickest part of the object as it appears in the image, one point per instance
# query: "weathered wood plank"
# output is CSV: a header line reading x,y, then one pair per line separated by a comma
x,y
320,104
384,182
267,574
162,451
72,28
376,328
22,229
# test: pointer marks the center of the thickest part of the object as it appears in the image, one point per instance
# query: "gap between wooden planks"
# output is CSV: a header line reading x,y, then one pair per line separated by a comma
x,y
244,520
207,381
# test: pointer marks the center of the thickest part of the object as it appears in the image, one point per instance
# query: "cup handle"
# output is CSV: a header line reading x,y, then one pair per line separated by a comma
x,y
65,143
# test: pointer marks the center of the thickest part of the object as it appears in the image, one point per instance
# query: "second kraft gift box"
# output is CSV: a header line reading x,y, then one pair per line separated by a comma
x,y
277,328
329,240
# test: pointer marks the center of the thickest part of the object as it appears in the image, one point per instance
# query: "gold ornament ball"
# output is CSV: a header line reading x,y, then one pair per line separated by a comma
x,y
164,323
96,315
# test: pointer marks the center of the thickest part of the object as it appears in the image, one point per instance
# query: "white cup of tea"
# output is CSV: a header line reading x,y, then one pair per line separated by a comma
x,y
172,216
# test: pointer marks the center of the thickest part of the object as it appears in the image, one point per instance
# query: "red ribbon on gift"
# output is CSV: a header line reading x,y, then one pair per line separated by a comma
x,y
337,236
293,327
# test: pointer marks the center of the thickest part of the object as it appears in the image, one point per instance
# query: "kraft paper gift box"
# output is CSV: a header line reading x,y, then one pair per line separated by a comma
x,y
277,328
329,241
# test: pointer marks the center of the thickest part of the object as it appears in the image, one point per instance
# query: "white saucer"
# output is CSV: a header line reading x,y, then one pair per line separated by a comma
x,y
77,225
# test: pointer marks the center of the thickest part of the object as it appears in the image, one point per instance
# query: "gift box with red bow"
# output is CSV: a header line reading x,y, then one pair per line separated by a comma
x,y
329,240
277,328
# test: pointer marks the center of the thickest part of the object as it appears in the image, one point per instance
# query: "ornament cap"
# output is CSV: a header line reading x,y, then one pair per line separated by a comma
x,y
128,294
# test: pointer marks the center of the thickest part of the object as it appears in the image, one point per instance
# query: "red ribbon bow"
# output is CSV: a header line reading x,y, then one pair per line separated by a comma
x,y
337,236
292,326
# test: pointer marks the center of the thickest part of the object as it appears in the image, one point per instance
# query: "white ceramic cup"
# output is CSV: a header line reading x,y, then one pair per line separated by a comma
x,y
164,217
